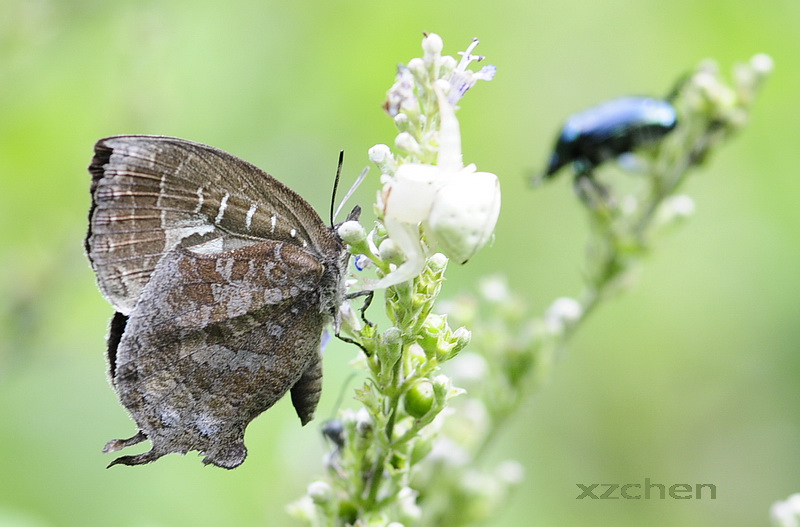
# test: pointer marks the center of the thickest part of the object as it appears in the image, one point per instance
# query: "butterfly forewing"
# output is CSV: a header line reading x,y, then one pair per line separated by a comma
x,y
151,194
222,278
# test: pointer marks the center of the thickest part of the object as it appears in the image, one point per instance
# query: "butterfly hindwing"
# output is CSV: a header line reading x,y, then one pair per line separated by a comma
x,y
214,341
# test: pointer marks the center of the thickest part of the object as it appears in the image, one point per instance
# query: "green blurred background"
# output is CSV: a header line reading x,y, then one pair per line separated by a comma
x,y
692,377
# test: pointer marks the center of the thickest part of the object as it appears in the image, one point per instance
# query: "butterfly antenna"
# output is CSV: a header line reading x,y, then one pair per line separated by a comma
x,y
336,186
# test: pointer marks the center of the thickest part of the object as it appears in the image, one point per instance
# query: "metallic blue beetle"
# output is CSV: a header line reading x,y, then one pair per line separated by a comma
x,y
603,132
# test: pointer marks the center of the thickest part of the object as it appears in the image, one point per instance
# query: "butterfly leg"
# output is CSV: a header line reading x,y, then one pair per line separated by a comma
x,y
119,444
367,302
139,459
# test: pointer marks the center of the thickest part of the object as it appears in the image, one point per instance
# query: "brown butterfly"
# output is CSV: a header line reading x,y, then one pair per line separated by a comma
x,y
222,279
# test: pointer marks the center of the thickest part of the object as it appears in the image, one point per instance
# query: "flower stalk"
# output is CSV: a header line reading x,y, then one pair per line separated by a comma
x,y
430,209
415,451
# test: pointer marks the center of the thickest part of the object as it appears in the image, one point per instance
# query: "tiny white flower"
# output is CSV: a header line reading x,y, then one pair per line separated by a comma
x,y
401,95
786,513
511,472
562,312
674,209
463,79
349,318
682,205
448,452
469,368
407,502
762,63
495,289
362,262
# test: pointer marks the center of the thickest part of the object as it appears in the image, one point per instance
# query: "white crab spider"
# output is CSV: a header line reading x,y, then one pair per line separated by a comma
x,y
455,206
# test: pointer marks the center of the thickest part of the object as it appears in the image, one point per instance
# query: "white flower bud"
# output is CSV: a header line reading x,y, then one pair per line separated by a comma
x,y
461,338
352,233
390,252
442,85
320,491
401,121
406,141
448,64
437,262
417,67
443,389
432,45
379,154
762,63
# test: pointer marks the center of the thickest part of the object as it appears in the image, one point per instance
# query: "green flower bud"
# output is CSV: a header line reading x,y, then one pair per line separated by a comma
x,y
417,355
392,336
431,333
392,343
418,400
348,512
437,262
443,389
460,340
389,354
